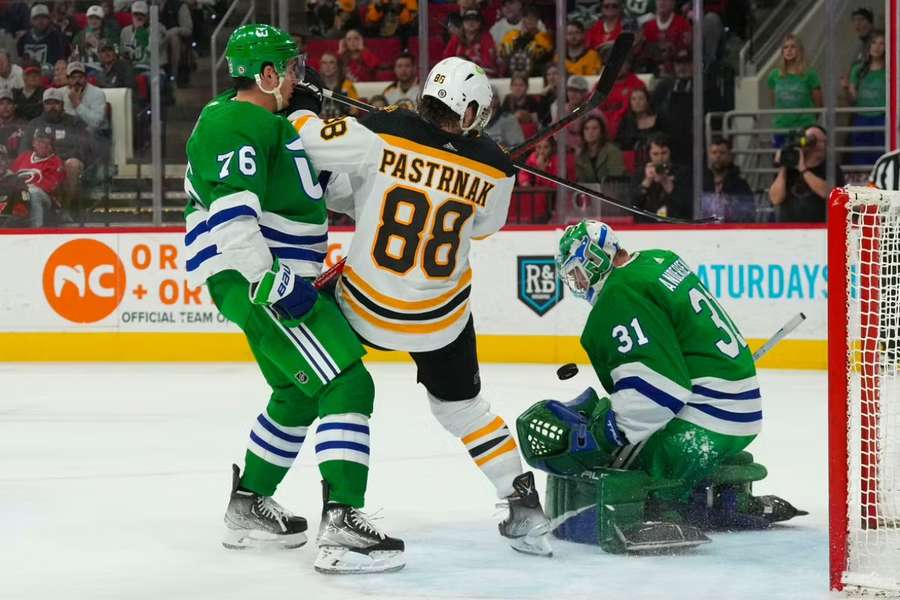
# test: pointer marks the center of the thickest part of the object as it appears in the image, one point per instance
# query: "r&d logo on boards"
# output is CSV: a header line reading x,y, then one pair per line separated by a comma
x,y
84,281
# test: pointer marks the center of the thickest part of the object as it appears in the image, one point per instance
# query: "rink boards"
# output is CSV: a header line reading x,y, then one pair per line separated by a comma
x,y
121,294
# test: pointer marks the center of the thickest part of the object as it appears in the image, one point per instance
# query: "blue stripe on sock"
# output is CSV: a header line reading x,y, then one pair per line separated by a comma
x,y
273,429
345,426
342,446
288,253
270,448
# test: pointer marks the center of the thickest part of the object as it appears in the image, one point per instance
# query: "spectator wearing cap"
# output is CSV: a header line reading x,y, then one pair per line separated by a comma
x,y
577,89
608,27
10,73
42,43
864,26
674,98
12,128
175,16
43,172
69,138
84,100
664,34
511,19
87,41
29,100
405,86
115,72
474,43
528,49
580,60
135,38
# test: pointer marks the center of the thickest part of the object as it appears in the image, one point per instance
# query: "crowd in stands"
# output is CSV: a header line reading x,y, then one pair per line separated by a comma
x,y
55,58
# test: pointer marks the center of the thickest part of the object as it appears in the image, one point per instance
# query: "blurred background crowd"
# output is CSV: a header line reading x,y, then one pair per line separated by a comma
x,y
76,81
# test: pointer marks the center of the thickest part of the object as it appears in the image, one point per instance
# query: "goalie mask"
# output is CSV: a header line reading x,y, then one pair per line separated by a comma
x,y
585,259
457,83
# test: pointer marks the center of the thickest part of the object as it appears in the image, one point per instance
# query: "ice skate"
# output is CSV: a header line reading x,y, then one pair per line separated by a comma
x,y
527,527
254,521
350,544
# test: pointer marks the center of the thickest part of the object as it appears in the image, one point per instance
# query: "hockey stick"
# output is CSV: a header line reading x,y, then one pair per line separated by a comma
x,y
570,370
338,97
779,335
617,57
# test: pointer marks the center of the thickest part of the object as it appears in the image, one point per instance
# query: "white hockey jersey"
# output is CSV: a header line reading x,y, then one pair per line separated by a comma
x,y
419,195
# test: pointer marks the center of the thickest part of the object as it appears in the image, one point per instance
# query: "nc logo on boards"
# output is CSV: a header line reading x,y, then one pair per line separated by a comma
x,y
538,282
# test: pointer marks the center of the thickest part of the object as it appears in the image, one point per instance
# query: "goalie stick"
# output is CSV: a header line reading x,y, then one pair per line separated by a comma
x,y
570,370
617,57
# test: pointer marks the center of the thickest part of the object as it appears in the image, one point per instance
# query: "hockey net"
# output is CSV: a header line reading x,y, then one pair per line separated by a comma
x,y
864,390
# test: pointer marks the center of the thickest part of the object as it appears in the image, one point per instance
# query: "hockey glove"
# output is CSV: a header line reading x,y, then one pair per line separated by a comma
x,y
289,295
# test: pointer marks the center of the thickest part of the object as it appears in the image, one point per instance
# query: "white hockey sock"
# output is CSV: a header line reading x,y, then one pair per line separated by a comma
x,y
276,444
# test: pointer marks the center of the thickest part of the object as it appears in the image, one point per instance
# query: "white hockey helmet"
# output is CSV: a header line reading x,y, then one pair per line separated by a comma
x,y
457,83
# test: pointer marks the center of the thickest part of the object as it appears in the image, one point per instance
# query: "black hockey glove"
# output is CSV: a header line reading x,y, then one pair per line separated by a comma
x,y
307,93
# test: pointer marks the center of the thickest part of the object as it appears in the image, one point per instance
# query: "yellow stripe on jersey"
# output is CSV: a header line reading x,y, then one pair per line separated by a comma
x,y
405,304
300,122
508,446
449,157
408,329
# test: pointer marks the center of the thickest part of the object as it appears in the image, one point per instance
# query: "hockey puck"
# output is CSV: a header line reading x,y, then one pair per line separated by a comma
x,y
567,371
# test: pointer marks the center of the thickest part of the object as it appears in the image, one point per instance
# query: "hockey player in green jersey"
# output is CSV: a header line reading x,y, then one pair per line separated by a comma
x,y
684,399
256,234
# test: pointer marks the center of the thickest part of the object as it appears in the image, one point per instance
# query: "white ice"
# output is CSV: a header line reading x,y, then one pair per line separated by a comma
x,y
114,479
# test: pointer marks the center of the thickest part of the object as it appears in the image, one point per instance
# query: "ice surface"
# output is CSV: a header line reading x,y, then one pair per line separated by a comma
x,y
114,478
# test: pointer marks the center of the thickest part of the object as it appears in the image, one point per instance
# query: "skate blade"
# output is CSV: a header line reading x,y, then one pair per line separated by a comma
x,y
537,545
334,560
254,539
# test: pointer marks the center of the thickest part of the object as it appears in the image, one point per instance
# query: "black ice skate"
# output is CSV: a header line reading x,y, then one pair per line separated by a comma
x,y
527,527
349,543
254,521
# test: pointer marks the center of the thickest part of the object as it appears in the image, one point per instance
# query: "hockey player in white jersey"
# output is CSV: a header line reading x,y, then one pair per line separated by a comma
x,y
423,185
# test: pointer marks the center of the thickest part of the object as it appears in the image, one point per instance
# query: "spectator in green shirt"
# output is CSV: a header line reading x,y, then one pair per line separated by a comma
x,y
867,87
794,85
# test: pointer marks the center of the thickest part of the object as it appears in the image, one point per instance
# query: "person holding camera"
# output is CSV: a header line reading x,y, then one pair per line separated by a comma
x,y
662,187
800,191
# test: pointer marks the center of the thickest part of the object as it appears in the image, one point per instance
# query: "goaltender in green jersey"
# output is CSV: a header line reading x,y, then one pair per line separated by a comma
x,y
257,236
684,401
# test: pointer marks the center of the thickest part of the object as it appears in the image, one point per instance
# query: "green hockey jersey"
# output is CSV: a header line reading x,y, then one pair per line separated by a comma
x,y
664,348
252,195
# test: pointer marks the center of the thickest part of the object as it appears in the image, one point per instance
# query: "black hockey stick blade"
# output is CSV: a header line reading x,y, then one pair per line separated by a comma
x,y
608,199
617,57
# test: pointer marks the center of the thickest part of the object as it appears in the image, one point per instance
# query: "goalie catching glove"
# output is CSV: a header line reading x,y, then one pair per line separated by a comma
x,y
289,295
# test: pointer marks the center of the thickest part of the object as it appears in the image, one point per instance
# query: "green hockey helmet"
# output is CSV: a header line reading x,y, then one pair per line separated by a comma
x,y
585,258
253,46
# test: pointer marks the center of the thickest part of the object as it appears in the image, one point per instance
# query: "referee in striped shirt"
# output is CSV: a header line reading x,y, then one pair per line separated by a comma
x,y
886,172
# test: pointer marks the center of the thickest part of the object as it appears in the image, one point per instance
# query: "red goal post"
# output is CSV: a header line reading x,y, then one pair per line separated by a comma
x,y
864,389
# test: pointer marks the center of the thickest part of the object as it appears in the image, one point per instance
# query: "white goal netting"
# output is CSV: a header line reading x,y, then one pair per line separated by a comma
x,y
873,452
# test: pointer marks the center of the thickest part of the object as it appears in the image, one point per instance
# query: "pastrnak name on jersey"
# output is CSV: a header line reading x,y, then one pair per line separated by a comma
x,y
444,178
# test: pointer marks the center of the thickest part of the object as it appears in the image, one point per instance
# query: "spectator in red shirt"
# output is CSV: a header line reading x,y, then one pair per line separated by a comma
x,y
474,43
538,207
608,26
43,172
616,104
664,34
359,62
